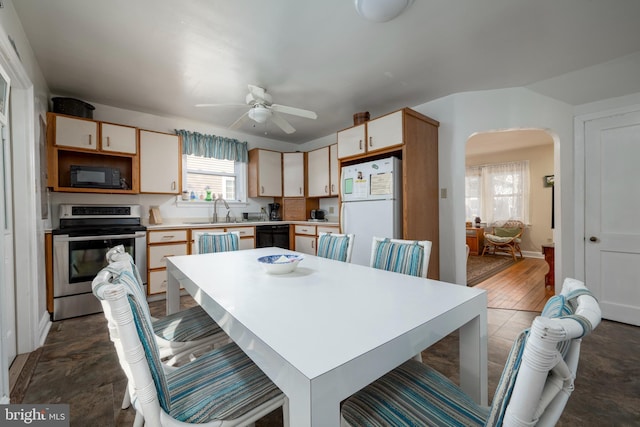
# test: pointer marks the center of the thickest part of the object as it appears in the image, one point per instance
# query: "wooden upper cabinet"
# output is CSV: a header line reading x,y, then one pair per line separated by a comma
x,y
76,133
351,141
118,138
265,173
160,163
293,174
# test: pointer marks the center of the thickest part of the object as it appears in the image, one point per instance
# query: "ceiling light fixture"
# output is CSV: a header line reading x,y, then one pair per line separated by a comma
x,y
259,114
381,10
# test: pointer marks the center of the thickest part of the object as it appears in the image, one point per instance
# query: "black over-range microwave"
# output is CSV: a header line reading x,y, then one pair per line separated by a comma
x,y
95,177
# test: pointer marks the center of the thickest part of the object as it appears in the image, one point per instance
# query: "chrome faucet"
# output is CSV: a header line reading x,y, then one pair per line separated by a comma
x,y
215,210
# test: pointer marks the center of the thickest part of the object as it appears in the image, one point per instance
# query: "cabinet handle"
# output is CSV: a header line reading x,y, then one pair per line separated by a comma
x,y
168,237
173,185
370,141
108,141
261,189
300,190
90,143
326,189
360,144
313,244
333,188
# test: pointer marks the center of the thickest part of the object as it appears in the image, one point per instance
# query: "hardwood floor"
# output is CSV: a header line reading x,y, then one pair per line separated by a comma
x,y
519,287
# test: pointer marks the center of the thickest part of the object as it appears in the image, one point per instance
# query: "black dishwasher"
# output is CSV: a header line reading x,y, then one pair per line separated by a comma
x,y
272,235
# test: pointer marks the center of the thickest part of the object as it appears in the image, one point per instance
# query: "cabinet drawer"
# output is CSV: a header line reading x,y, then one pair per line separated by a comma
x,y
244,231
167,236
247,243
326,229
159,253
157,281
306,229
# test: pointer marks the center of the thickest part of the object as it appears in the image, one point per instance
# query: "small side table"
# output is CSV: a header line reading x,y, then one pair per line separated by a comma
x,y
549,278
475,240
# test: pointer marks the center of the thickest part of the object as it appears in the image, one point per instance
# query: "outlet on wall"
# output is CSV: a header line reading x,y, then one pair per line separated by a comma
x,y
331,210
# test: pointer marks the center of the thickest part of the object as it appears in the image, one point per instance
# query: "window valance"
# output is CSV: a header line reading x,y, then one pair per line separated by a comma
x,y
213,146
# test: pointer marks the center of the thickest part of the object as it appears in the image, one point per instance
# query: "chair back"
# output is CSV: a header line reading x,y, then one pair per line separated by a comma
x,y
401,256
211,242
335,246
538,376
133,337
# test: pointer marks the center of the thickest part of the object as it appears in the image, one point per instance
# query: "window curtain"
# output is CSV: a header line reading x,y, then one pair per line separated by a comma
x,y
502,190
213,146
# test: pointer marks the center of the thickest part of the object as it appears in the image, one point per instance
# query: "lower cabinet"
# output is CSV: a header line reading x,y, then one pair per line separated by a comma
x,y
306,237
162,244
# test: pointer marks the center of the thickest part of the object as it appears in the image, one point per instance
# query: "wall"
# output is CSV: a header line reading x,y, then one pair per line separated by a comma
x,y
463,114
540,158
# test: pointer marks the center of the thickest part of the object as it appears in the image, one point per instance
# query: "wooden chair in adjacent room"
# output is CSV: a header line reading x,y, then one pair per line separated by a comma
x,y
504,238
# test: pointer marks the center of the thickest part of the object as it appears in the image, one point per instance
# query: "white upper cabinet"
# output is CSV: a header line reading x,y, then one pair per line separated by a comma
x,y
76,133
376,134
318,172
351,141
385,131
333,170
118,138
160,162
265,173
293,170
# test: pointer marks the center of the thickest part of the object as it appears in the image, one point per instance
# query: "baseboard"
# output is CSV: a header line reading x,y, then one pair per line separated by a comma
x,y
529,254
44,327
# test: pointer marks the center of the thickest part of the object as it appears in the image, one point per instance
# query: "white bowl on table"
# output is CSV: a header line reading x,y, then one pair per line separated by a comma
x,y
279,263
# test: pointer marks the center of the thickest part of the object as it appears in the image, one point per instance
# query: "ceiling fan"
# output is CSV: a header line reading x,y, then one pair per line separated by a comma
x,y
262,109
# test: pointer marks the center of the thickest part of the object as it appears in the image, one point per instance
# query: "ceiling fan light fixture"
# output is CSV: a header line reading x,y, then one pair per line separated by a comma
x,y
381,10
259,114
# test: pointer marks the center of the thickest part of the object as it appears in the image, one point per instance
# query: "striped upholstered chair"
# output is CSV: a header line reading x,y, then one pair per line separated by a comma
x,y
533,390
221,387
210,242
335,246
401,256
178,335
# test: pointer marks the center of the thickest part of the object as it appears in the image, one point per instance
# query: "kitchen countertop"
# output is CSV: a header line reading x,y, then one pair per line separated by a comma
x,y
203,224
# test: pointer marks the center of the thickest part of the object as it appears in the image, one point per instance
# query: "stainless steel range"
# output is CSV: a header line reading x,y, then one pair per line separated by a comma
x,y
85,235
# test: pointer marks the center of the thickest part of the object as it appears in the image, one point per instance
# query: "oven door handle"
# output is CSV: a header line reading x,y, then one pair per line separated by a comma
x,y
67,238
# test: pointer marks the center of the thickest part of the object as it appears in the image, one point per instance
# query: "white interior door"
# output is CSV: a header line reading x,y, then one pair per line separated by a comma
x,y
612,206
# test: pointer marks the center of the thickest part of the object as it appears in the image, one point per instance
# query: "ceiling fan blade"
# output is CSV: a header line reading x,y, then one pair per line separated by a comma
x,y
282,123
243,118
221,105
294,111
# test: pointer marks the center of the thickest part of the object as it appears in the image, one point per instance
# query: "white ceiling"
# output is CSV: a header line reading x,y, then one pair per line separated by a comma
x,y
163,57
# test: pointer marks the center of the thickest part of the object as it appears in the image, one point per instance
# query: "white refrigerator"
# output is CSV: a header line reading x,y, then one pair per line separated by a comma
x,y
371,203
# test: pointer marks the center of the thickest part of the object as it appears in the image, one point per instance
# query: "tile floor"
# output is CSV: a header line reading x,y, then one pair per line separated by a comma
x,y
78,365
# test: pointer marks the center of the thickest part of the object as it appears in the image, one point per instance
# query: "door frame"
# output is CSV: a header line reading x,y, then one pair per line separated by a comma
x,y
580,122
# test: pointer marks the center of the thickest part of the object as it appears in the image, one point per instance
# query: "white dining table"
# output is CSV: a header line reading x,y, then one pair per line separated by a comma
x,y
329,328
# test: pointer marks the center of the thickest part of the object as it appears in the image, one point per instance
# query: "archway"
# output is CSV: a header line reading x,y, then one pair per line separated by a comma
x,y
536,147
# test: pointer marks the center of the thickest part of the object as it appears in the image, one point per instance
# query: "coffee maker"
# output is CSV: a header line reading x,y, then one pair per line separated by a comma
x,y
274,212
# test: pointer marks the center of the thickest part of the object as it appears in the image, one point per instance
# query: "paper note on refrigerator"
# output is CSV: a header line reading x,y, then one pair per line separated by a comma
x,y
381,184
